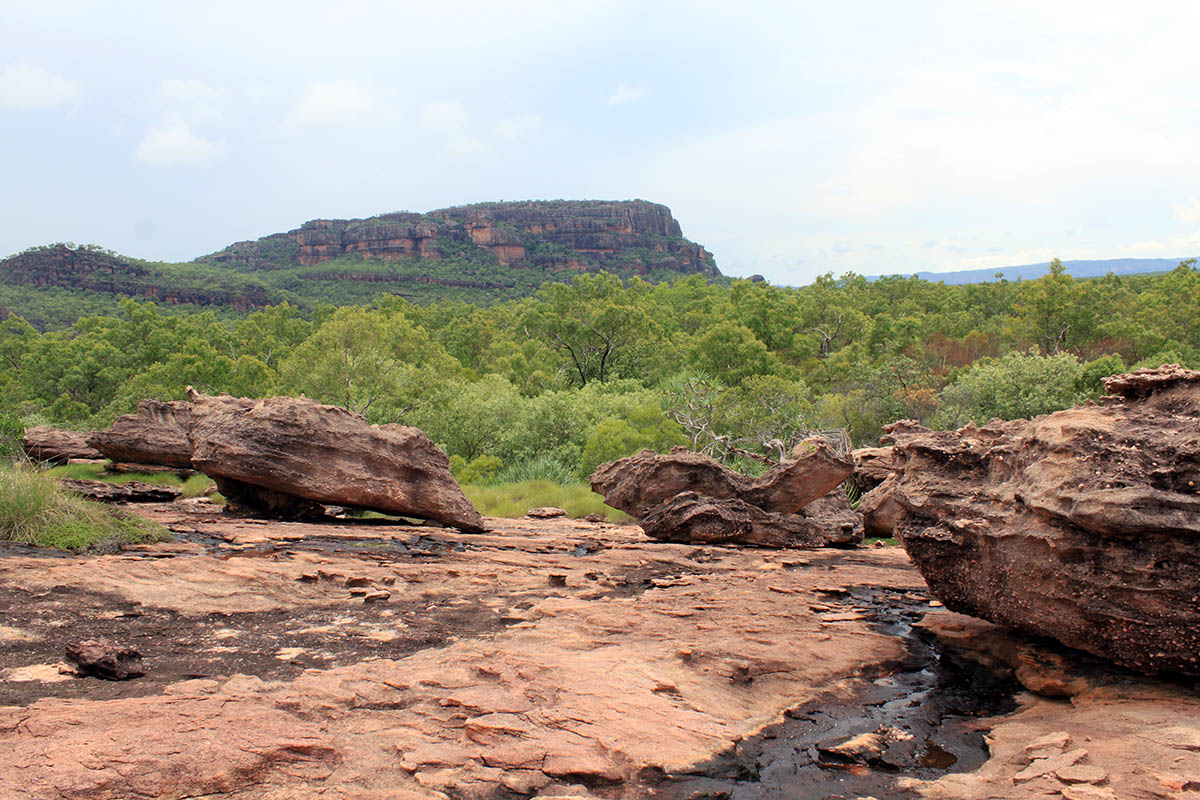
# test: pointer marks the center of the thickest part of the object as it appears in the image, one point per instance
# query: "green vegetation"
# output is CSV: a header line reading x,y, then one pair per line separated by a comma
x,y
33,509
548,386
514,499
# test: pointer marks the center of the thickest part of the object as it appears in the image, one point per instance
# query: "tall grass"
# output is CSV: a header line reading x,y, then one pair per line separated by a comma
x,y
512,500
35,510
539,468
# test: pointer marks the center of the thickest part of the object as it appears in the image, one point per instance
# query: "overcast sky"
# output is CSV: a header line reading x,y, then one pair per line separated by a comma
x,y
790,138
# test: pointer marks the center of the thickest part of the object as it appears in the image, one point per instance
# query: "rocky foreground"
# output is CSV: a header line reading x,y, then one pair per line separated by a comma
x,y
548,658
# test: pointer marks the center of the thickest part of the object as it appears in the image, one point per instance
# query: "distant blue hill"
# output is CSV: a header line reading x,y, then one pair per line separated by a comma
x,y
1078,269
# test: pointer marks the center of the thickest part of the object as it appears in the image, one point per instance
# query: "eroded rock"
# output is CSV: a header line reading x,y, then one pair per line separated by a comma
x,y
104,659
57,446
693,518
270,452
156,434
132,492
642,481
1079,525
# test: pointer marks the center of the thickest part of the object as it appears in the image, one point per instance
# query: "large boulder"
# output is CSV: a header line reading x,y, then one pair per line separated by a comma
x,y
44,443
156,434
1080,525
647,479
693,518
287,447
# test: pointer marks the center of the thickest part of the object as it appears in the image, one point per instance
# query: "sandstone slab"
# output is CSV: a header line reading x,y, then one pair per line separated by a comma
x,y
131,492
287,447
57,446
157,434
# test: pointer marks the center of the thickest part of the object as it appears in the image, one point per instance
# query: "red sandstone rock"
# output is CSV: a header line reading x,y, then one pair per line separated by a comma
x,y
132,492
1079,525
104,659
269,452
156,434
642,481
44,443
696,519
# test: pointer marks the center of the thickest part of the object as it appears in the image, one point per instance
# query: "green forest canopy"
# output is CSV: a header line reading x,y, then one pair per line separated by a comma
x,y
583,372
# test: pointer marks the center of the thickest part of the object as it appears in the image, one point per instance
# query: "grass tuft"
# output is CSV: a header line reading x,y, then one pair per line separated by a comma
x,y
512,500
35,510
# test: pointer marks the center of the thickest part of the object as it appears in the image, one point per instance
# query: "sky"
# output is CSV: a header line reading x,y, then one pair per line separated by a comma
x,y
790,138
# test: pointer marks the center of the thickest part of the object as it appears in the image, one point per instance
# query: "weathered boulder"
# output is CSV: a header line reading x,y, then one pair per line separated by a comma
x,y
872,466
44,443
156,434
696,519
1079,525
132,492
647,479
299,448
104,659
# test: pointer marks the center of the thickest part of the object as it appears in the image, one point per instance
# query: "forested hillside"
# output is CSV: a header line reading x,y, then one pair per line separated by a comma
x,y
580,373
480,253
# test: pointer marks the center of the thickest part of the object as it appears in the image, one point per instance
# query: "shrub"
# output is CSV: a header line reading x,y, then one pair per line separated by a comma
x,y
539,468
35,510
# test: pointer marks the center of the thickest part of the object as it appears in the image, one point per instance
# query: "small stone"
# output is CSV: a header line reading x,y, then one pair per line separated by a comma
x,y
1082,773
1045,746
376,597
357,581
1085,792
546,512
859,748
309,577
1048,766
558,580
105,659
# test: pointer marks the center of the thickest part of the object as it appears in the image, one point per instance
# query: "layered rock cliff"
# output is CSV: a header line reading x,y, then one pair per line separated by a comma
x,y
634,235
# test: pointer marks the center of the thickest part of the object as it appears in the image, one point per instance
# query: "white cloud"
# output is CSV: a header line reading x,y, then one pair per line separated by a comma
x,y
334,103
172,143
519,127
624,93
1189,213
444,116
31,86
195,100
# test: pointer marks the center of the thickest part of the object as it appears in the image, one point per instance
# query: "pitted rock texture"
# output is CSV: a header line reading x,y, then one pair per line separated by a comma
x,y
1079,525
44,443
692,517
476,676
687,496
299,448
642,481
156,434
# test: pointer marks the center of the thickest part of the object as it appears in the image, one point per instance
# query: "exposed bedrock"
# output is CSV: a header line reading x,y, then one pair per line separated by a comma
x,y
156,434
1080,525
44,443
298,448
684,496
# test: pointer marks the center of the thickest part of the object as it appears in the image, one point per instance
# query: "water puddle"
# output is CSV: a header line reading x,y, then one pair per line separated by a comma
x,y
921,719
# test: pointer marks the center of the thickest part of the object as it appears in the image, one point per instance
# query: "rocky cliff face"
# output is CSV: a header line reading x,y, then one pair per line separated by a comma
x,y
97,270
570,235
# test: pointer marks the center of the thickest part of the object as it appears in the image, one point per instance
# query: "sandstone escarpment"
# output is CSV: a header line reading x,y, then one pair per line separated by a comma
x,y
1079,525
569,235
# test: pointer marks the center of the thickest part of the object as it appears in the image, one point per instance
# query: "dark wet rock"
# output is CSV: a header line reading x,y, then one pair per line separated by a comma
x,y
693,518
132,492
1079,525
44,443
156,434
267,453
640,482
104,659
